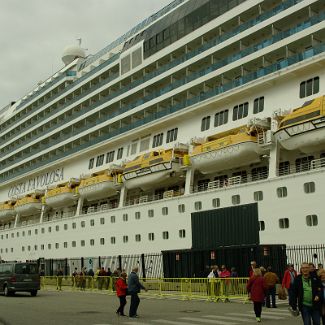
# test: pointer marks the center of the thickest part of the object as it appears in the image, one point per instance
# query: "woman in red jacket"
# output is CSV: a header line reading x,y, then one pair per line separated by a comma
x,y
121,288
256,288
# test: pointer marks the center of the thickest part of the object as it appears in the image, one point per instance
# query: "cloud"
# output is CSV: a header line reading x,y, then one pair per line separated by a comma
x,y
35,32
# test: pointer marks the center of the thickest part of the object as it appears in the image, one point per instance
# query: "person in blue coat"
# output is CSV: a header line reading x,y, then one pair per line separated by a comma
x,y
134,288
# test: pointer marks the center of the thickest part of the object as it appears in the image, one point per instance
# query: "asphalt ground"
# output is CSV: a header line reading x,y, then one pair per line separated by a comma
x,y
87,308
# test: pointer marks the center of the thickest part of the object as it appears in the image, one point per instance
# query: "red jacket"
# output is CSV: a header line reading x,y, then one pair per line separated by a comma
x,y
286,281
257,288
121,287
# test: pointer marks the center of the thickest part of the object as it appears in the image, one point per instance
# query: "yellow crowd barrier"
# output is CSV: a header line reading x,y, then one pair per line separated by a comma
x,y
214,289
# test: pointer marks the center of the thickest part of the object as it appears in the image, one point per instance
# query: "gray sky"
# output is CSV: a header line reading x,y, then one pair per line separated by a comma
x,y
33,34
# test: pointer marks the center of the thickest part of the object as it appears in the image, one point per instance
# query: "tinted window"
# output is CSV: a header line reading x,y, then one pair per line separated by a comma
x,y
26,268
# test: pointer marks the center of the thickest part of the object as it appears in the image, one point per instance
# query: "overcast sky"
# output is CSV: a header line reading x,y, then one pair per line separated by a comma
x,y
33,34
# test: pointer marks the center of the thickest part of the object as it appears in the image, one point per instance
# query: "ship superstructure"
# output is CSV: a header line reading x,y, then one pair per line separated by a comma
x,y
205,108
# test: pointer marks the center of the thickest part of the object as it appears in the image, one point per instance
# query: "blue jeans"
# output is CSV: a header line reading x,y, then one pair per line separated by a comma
x,y
270,293
308,314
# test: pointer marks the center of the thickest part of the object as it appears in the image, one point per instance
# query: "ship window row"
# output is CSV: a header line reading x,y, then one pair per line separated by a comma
x,y
309,87
284,223
40,161
242,27
239,111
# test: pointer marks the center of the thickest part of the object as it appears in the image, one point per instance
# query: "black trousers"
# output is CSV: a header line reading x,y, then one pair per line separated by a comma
x,y
258,308
120,309
135,301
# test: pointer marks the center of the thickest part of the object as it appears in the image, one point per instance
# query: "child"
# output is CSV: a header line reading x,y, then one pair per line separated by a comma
x,y
121,288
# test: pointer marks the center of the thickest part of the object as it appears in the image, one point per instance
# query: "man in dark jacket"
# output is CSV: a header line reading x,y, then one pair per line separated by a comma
x,y
134,287
307,291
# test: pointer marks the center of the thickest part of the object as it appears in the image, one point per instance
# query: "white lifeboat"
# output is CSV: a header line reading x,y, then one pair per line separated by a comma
x,y
7,209
100,185
230,149
64,195
28,205
155,167
304,128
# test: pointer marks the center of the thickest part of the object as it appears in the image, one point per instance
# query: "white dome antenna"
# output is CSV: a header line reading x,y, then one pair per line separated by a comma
x,y
72,52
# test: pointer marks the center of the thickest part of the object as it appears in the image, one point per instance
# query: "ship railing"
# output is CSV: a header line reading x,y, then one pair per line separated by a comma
x,y
214,184
301,167
317,163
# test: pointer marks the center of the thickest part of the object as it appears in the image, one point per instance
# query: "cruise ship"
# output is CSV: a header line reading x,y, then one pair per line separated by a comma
x,y
201,127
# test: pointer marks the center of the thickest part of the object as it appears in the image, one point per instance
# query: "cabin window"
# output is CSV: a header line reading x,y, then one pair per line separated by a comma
x,y
74,225
312,220
165,234
309,187
28,248
35,231
110,156
125,239
151,213
198,205
83,224
57,228
138,237
23,248
65,244
65,226
172,135
181,208
284,168
136,57
221,118
284,223
23,233
309,87
42,247
92,242
112,219
49,229
202,184
102,241
125,64
223,180
134,148
91,163
100,160
216,202
238,177
92,222
164,211
303,164
82,243
57,245
119,153
157,140
137,215
102,221
182,233
73,243
240,111
125,217
35,247
49,246
151,236
235,199
259,173
29,233
113,240
258,105
262,225
17,234
205,123
282,191
144,143
43,230
258,196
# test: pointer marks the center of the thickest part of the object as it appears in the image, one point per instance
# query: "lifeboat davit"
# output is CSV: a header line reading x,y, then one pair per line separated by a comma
x,y
100,185
230,149
64,195
154,167
304,128
28,205
7,209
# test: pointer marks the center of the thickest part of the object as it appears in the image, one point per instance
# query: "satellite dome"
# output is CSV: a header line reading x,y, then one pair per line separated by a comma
x,y
71,53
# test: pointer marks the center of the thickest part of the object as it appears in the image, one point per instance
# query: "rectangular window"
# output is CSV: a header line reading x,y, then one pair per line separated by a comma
x,y
134,147
165,211
92,242
74,225
110,156
125,64
181,208
113,219
99,160
65,244
91,163
57,245
102,221
258,105
137,215
309,187
258,196
125,217
262,225
157,140
235,199
49,229
198,205
240,111
65,226
259,173
282,191
303,164
113,240
102,241
151,236
205,123
221,118
144,143
150,213
165,235
49,246
125,239
312,220
92,222
82,243
309,87
83,224
284,168
182,233
119,153
216,203
284,223
42,247
138,237
73,243
57,228
172,135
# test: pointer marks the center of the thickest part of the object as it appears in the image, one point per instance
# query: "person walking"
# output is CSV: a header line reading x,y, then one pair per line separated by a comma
x,y
288,282
134,287
308,296
256,289
59,275
271,279
121,290
321,274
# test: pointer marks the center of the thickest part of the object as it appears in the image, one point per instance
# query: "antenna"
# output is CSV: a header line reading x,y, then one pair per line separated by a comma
x,y
79,40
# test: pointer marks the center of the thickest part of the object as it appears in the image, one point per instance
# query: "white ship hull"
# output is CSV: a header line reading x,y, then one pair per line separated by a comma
x,y
61,200
236,155
98,190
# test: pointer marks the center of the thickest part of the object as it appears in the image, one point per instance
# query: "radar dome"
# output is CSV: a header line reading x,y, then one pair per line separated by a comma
x,y
71,53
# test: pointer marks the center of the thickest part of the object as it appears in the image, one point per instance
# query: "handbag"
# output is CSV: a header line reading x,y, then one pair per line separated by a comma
x,y
282,295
